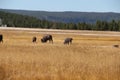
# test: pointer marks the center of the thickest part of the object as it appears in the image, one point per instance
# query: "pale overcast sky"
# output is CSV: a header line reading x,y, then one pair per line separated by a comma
x,y
63,5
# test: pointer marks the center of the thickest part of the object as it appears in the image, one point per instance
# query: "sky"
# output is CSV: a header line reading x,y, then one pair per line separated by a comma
x,y
63,5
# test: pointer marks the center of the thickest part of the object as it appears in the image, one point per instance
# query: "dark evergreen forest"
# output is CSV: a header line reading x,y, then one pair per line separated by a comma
x,y
17,20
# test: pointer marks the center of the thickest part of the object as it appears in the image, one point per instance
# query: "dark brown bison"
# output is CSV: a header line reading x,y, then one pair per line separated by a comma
x,y
47,38
34,39
1,38
68,40
116,46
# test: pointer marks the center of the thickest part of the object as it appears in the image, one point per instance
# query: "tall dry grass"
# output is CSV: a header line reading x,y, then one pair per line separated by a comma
x,y
88,58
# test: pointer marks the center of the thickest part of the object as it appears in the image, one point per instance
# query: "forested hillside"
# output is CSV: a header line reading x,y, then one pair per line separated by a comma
x,y
68,17
16,20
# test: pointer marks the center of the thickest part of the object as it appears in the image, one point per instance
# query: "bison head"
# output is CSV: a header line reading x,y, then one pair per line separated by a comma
x,y
43,40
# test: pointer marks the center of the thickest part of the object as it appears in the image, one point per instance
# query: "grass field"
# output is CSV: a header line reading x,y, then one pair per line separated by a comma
x,y
91,56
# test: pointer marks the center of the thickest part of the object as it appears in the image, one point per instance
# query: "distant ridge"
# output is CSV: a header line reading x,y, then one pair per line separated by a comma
x,y
68,16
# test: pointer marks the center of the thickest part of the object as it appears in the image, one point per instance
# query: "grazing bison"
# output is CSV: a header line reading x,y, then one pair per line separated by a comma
x,y
116,46
1,38
34,39
68,41
47,38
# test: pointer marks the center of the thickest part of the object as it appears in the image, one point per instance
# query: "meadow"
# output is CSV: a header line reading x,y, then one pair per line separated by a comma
x,y
91,56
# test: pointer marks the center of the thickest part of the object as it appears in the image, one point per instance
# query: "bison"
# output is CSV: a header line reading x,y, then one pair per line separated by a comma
x,y
1,38
34,39
116,46
47,38
68,40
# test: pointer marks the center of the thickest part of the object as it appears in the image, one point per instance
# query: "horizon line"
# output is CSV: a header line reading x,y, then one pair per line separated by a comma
x,y
61,11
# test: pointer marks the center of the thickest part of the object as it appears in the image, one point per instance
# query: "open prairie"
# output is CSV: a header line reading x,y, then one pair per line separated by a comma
x,y
91,56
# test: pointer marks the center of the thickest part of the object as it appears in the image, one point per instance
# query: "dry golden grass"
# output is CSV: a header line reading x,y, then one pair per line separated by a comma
x,y
90,57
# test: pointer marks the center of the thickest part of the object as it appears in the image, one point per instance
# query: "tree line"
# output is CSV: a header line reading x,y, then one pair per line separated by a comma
x,y
16,20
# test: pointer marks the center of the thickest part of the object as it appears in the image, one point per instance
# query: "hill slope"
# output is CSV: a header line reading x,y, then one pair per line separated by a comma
x,y
67,17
